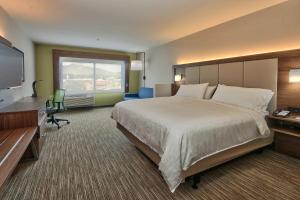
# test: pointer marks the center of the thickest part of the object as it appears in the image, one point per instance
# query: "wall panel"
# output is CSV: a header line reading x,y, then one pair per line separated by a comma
x,y
231,74
192,75
209,74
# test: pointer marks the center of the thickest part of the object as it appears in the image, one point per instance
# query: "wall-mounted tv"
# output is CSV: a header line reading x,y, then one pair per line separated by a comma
x,y
11,66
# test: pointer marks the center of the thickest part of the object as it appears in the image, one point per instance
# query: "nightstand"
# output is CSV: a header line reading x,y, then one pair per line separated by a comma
x,y
287,134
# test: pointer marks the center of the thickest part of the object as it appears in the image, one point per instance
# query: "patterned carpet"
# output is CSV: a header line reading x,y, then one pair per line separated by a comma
x,y
91,159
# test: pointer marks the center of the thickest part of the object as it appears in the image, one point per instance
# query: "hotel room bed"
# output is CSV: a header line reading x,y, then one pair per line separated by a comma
x,y
185,135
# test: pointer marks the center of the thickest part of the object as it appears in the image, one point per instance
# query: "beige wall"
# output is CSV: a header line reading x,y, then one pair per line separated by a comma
x,y
10,31
272,29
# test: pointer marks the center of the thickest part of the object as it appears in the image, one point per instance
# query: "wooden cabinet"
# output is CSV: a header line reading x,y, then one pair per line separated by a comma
x,y
287,134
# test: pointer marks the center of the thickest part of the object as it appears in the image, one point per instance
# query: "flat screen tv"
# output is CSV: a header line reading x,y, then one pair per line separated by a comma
x,y
11,66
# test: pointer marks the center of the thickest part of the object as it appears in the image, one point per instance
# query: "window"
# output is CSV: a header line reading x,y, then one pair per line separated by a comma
x,y
84,75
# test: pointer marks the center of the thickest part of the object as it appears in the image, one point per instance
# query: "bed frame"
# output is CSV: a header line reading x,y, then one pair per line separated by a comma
x,y
194,171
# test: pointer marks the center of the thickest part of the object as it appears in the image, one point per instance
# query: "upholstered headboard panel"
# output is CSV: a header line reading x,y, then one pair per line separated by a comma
x,y
209,74
232,74
262,74
254,73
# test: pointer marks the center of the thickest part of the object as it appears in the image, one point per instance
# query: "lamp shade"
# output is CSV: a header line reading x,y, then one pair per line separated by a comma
x,y
178,77
294,76
136,65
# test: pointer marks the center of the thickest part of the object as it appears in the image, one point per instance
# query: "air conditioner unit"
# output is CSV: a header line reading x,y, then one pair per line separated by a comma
x,y
77,101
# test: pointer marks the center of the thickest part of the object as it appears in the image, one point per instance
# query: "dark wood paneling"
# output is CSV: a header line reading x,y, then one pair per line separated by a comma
x,y
288,93
77,54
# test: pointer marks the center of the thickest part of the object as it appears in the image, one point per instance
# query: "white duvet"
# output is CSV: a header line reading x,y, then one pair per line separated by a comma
x,y
185,130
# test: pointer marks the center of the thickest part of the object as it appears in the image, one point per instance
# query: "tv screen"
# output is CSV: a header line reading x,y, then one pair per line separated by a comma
x,y
11,67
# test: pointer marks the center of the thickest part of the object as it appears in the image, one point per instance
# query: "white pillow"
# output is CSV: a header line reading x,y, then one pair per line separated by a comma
x,y
253,98
209,92
193,90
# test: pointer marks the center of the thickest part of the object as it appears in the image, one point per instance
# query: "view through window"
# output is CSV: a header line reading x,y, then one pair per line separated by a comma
x,y
81,76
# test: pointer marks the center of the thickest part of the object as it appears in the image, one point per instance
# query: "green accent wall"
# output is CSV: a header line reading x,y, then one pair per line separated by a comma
x,y
44,71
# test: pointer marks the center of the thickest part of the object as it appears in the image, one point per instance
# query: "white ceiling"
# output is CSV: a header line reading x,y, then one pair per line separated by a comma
x,y
129,25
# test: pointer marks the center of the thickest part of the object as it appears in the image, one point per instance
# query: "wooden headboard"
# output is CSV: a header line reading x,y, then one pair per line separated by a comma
x,y
269,71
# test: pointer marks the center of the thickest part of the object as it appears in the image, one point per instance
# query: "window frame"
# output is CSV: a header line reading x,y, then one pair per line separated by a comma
x,y
94,63
58,54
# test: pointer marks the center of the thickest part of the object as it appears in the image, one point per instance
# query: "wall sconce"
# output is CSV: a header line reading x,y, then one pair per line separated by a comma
x,y
294,76
178,77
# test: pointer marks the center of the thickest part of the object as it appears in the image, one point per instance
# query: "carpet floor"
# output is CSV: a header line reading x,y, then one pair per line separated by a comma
x,y
91,159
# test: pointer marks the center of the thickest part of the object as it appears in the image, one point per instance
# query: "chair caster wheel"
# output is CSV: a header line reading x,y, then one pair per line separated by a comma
x,y
58,127
68,122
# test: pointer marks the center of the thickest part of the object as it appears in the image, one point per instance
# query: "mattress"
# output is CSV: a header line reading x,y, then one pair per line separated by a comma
x,y
185,130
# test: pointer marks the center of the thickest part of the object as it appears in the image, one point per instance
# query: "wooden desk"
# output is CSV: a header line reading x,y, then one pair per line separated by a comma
x,y
27,112
287,134
21,124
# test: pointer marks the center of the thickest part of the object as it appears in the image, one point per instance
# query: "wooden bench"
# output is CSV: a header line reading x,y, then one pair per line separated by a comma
x,y
13,144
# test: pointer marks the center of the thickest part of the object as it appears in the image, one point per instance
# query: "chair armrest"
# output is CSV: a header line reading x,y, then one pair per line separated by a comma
x,y
131,95
48,103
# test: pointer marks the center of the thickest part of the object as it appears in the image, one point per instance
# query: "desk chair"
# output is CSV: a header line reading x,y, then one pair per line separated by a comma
x,y
57,106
